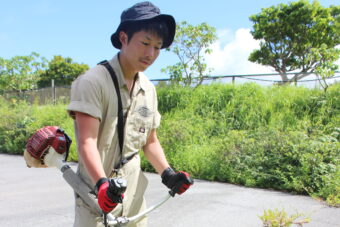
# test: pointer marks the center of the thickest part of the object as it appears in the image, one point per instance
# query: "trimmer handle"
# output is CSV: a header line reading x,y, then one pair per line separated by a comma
x,y
117,187
176,188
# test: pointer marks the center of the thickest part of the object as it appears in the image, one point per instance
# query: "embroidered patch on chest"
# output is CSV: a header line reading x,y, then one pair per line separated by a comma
x,y
144,111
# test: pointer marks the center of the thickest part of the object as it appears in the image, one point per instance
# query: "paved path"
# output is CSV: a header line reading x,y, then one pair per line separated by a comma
x,y
32,197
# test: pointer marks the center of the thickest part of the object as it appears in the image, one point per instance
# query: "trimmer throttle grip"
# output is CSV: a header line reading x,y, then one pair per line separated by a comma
x,y
117,187
177,187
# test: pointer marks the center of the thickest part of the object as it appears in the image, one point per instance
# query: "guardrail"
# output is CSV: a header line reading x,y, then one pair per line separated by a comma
x,y
54,94
274,78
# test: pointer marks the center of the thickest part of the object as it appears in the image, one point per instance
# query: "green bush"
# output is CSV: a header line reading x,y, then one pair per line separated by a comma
x,y
20,120
279,137
15,117
285,137
58,116
280,218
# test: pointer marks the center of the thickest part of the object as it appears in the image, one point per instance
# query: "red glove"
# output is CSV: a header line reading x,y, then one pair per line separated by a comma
x,y
106,199
178,182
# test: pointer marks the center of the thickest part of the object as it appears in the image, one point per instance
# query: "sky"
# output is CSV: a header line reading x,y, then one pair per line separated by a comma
x,y
81,30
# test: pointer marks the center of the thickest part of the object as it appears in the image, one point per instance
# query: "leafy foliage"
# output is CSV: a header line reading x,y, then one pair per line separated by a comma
x,y
280,137
190,45
280,218
21,72
13,125
273,137
22,120
298,36
326,67
62,70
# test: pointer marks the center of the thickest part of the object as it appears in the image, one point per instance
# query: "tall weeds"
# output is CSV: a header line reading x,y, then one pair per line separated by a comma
x,y
279,137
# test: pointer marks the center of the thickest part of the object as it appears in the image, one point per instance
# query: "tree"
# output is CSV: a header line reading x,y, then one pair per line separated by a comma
x,y
62,70
326,67
190,45
21,73
291,35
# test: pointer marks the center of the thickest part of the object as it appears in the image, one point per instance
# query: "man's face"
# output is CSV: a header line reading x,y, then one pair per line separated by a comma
x,y
142,50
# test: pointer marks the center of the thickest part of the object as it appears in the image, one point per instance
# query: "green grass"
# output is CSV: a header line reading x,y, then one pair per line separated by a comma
x,y
279,137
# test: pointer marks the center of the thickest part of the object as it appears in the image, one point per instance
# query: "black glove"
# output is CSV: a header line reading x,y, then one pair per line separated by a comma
x,y
178,182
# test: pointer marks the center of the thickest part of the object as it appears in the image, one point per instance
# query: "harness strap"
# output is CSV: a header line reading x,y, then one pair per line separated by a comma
x,y
123,161
120,124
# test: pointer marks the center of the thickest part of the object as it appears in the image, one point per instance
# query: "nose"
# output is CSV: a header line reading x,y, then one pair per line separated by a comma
x,y
151,52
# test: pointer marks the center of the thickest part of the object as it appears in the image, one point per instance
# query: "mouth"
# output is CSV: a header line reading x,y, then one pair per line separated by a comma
x,y
145,62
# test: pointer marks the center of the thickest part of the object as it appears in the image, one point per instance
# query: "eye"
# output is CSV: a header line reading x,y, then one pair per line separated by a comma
x,y
145,43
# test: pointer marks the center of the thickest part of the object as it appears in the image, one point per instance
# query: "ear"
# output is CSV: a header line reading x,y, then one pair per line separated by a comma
x,y
123,38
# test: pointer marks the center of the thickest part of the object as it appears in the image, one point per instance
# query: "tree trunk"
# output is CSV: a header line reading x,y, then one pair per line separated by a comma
x,y
284,78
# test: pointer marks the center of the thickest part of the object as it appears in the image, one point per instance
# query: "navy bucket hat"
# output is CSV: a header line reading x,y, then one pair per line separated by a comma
x,y
144,11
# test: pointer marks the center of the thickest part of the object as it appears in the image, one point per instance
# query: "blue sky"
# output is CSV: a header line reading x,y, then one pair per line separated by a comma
x,y
82,29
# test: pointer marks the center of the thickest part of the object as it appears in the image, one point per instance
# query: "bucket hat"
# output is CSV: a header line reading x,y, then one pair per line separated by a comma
x,y
144,11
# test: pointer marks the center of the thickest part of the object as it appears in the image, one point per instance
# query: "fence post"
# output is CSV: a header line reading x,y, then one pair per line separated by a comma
x,y
53,92
233,80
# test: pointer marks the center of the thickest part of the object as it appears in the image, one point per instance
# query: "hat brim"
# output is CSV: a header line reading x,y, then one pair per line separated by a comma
x,y
168,19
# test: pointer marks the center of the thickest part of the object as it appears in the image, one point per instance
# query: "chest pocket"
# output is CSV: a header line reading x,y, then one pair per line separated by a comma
x,y
139,127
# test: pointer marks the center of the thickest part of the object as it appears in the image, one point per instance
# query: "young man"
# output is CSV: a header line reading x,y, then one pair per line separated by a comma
x,y
142,33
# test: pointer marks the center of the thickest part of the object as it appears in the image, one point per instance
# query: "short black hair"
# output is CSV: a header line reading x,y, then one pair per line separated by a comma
x,y
157,27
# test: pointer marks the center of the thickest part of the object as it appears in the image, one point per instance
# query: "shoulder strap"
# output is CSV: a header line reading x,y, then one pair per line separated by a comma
x,y
120,114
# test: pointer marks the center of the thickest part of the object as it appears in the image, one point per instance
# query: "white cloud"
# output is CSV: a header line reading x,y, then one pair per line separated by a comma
x,y
230,54
230,57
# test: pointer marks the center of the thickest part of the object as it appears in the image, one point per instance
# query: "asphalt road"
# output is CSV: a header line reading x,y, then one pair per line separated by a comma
x,y
40,197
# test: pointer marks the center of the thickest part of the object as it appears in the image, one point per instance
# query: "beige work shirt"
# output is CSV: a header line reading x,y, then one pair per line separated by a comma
x,y
94,93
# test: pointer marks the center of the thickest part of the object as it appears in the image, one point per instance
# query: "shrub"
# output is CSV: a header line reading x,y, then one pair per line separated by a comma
x,y
15,117
280,218
58,116
20,121
284,138
269,137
